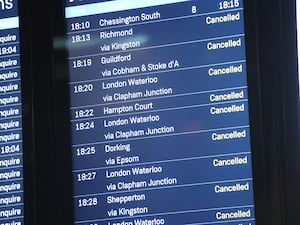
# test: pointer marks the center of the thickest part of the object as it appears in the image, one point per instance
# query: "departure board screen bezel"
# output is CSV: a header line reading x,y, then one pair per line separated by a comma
x,y
254,102
290,106
27,110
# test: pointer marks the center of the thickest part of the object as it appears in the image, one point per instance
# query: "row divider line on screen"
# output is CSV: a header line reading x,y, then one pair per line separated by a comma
x,y
160,72
160,46
158,21
163,161
163,97
11,68
161,136
164,187
222,222
168,213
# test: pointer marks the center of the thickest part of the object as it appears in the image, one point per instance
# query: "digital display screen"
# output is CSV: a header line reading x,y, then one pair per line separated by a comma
x,y
11,154
160,130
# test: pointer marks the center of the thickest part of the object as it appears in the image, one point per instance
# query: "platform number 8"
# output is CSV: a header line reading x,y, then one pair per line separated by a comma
x,y
194,9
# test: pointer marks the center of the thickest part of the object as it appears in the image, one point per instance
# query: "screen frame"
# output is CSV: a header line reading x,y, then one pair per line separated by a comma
x,y
61,115
27,111
290,109
39,159
265,147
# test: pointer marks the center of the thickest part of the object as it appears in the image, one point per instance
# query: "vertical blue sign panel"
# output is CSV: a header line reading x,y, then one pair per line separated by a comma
x,y
159,112
11,150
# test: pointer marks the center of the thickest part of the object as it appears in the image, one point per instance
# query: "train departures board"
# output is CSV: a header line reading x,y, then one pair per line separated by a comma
x,y
159,112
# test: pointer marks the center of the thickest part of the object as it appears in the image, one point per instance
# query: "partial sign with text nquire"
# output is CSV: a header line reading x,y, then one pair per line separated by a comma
x,y
11,153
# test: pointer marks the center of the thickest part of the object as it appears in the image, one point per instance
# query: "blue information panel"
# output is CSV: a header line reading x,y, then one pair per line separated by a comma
x,y
159,112
11,154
